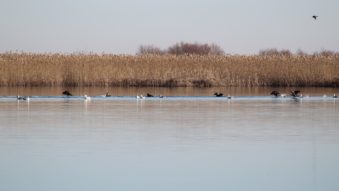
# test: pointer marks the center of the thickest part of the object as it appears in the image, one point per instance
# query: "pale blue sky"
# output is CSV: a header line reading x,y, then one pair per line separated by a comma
x,y
120,26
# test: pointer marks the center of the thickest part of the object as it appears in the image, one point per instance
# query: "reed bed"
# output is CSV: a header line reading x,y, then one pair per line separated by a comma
x,y
24,69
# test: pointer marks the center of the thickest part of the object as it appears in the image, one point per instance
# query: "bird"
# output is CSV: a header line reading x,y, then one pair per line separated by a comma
x,y
315,17
108,95
335,96
229,97
140,97
161,96
25,98
275,93
66,93
87,98
19,97
296,93
218,94
149,95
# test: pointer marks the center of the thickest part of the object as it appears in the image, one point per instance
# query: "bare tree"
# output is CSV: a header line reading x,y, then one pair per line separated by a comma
x,y
301,53
274,52
195,48
327,53
216,50
149,49
175,49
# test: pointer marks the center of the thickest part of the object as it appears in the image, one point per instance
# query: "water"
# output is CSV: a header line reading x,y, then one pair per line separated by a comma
x,y
177,143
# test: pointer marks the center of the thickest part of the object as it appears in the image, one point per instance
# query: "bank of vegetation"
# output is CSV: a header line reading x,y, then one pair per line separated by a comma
x,y
268,68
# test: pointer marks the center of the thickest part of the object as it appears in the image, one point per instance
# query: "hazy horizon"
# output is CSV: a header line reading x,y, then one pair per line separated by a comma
x,y
120,27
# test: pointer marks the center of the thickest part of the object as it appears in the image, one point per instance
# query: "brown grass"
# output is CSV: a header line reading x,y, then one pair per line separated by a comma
x,y
22,69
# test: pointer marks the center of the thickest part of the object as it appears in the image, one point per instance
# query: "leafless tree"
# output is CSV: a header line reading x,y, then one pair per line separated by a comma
x,y
149,49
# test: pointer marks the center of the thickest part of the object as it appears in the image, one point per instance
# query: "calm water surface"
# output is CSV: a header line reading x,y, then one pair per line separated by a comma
x,y
168,145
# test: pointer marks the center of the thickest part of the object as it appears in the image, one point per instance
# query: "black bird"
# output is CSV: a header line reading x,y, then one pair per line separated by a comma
x,y
218,94
275,93
295,93
149,95
66,93
108,95
26,98
315,17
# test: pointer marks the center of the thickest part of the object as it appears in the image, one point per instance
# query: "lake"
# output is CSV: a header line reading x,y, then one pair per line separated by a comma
x,y
186,141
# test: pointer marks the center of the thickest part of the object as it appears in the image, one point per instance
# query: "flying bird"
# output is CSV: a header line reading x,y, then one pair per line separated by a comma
x,y
315,17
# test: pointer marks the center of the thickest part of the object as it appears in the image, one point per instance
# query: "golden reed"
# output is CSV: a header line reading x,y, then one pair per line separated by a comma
x,y
24,69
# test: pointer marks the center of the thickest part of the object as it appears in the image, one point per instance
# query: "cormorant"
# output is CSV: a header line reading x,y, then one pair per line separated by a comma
x,y
275,93
218,94
66,93
295,93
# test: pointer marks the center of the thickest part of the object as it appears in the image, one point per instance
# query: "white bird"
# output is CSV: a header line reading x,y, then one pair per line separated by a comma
x,y
140,97
335,96
87,98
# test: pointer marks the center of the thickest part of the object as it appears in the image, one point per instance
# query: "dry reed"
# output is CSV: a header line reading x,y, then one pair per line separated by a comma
x,y
23,69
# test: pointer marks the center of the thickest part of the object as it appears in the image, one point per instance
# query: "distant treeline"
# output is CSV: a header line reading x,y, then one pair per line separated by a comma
x,y
276,52
185,48
25,69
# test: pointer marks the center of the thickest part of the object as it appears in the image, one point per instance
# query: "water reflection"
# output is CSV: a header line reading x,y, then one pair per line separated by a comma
x,y
162,144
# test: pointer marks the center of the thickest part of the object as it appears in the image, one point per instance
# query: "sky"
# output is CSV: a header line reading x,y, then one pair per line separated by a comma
x,y
121,26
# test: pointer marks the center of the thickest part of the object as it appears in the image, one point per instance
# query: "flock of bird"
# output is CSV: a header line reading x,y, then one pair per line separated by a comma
x,y
274,93
293,94
67,93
